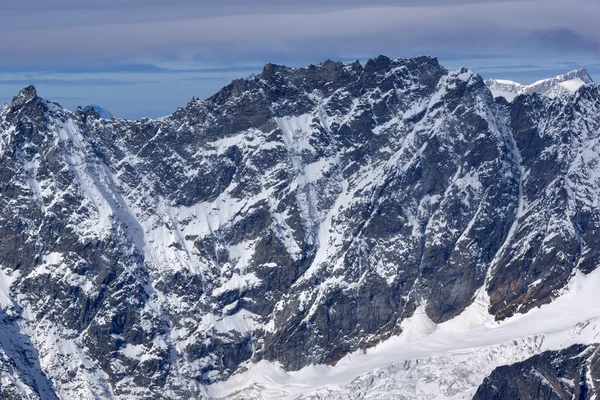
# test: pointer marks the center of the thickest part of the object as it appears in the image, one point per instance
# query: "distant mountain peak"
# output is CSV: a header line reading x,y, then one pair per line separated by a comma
x,y
566,83
582,74
102,112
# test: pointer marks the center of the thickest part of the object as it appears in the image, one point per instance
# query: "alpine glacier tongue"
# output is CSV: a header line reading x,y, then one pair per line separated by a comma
x,y
295,217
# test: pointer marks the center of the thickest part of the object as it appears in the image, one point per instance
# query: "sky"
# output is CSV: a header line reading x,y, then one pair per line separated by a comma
x,y
140,58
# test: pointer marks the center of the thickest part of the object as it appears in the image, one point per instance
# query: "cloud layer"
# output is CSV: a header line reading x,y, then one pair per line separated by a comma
x,y
185,32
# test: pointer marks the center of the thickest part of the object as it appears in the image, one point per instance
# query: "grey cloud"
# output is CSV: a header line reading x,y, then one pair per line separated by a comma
x,y
207,78
65,31
561,40
68,82
31,14
128,69
222,7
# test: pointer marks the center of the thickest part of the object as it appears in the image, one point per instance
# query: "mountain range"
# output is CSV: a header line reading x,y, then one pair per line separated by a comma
x,y
386,230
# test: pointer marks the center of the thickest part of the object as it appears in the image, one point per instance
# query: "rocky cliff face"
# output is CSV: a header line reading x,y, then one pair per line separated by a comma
x,y
296,217
572,373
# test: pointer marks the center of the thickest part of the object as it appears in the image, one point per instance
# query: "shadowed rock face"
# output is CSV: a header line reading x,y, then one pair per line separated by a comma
x,y
296,216
572,373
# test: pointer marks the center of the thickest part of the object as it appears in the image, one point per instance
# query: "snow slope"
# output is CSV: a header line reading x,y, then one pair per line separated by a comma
x,y
445,361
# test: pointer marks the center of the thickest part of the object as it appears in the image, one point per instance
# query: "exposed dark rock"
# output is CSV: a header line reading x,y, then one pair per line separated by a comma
x,y
572,373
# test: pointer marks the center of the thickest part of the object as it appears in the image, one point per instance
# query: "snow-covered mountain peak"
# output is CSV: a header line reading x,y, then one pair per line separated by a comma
x,y
552,87
29,108
580,73
26,94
